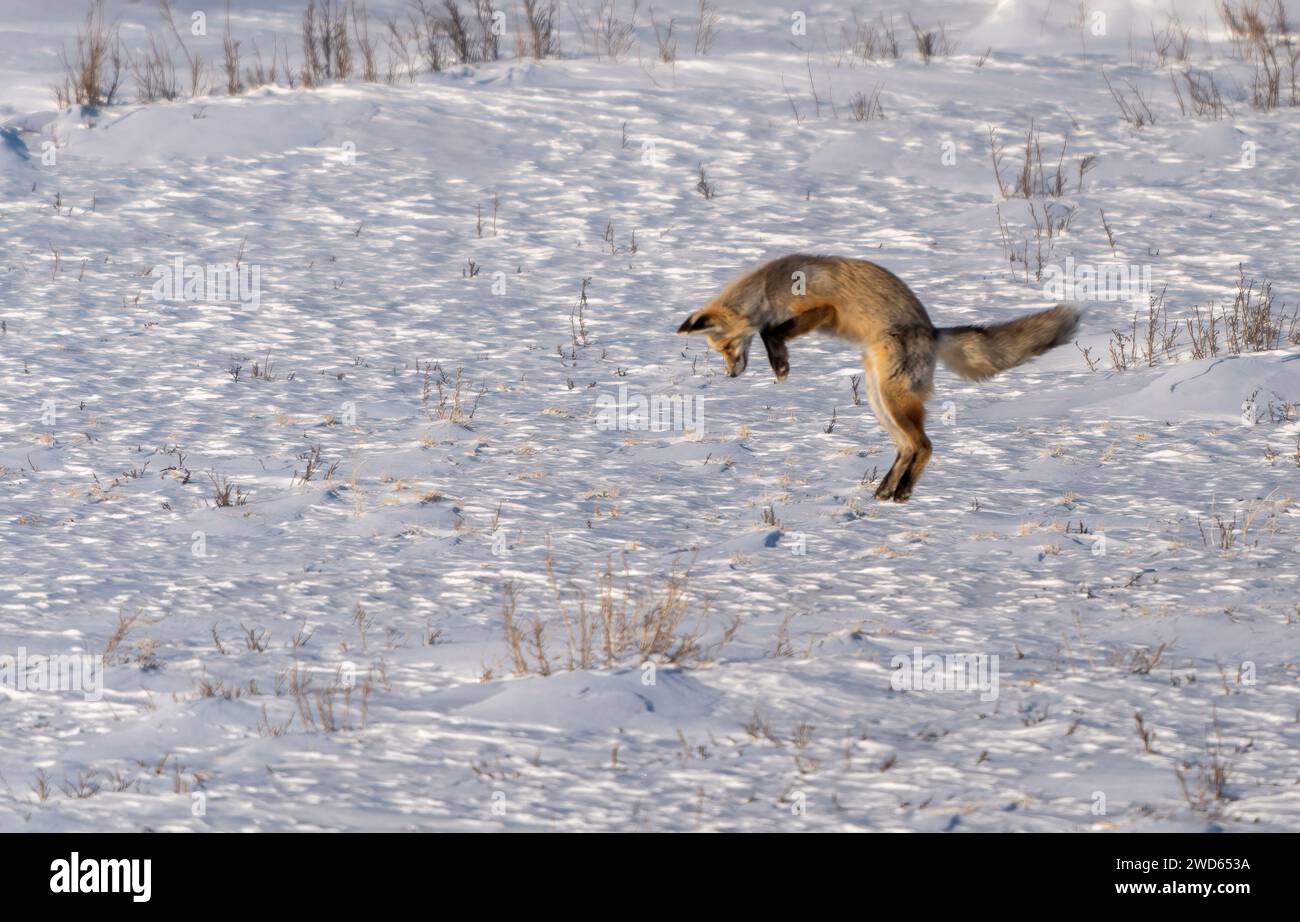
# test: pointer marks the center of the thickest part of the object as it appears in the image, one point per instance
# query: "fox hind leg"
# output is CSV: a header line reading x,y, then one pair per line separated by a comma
x,y
914,448
872,385
897,390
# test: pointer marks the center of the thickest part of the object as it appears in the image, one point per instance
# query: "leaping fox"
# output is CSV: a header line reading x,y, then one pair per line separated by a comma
x,y
866,304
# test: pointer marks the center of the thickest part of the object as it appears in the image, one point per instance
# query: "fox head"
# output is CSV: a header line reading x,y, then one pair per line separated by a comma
x,y
728,333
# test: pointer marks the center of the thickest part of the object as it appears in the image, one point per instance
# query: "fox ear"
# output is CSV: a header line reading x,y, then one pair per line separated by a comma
x,y
702,321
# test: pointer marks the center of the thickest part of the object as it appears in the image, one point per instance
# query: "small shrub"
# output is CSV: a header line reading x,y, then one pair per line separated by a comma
x,y
543,37
94,77
864,108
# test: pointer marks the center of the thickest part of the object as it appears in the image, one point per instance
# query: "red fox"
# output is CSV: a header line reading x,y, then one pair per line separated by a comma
x,y
859,301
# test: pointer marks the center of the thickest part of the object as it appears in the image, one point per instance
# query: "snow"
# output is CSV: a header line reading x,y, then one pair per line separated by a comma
x,y
385,578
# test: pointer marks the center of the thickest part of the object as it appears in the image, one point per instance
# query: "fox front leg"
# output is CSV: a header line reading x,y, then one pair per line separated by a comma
x,y
775,336
777,354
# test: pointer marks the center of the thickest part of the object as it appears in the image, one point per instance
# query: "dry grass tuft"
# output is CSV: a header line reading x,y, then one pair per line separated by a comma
x,y
607,624
94,77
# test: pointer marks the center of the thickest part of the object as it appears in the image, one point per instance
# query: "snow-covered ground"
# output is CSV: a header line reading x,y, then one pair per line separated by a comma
x,y
332,653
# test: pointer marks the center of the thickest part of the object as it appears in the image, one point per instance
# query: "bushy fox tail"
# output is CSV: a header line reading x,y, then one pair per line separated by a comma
x,y
979,352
